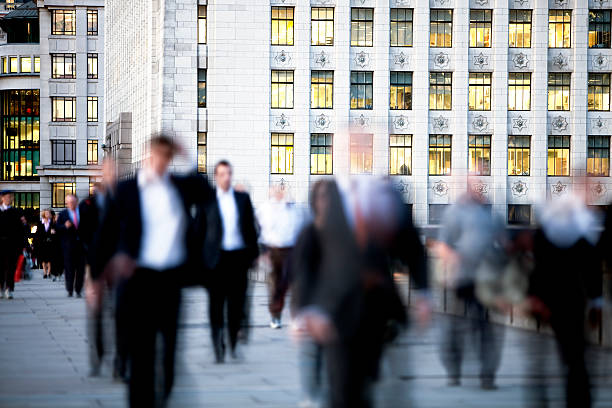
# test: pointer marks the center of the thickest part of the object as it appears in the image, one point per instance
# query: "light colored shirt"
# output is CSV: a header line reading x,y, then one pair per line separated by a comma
x,y
47,224
280,223
230,219
162,245
4,207
75,215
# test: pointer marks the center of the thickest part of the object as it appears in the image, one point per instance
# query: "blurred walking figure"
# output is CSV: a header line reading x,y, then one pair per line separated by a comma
x,y
471,239
45,237
74,257
151,214
355,308
280,222
230,248
57,259
12,242
566,275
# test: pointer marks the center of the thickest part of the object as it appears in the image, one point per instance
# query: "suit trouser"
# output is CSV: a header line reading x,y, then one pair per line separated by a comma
x,y
278,280
74,266
8,264
153,301
228,286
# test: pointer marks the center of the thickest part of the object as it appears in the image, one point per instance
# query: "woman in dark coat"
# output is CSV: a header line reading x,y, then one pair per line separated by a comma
x,y
45,237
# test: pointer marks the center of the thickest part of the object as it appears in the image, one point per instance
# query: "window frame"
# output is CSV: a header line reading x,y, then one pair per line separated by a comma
x,y
202,20
55,115
361,84
362,24
476,165
396,83
68,147
604,155
328,154
202,73
92,66
321,83
559,81
289,26
445,151
519,149
475,88
404,146
566,27
202,146
478,26
317,22
555,150
92,22
66,192
92,109
92,152
602,86
518,26
397,25
519,87
597,29
64,61
439,90
517,220
284,150
361,144
434,34
55,21
286,88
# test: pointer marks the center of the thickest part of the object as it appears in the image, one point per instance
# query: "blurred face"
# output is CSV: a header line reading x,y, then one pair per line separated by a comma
x,y
47,215
160,158
223,177
71,202
7,199
320,203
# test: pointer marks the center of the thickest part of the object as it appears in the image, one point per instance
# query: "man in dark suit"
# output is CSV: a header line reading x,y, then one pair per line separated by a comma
x,y
12,241
153,229
230,248
68,224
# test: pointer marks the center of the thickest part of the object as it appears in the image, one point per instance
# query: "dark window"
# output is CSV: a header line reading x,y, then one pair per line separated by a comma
x,y
27,201
63,66
599,28
401,90
519,214
63,152
361,90
362,27
92,22
63,22
201,88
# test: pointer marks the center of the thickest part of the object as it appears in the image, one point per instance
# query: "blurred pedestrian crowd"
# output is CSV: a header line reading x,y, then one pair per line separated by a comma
x,y
135,243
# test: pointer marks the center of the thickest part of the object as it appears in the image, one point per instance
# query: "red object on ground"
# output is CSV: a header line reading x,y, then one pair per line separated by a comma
x,y
20,268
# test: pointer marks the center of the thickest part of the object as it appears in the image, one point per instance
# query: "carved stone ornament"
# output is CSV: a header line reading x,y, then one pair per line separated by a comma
x,y
519,123
559,123
323,59
600,3
482,2
362,59
521,2
560,61
561,2
282,183
598,189
282,121
282,58
361,121
400,122
325,2
402,2
558,188
519,188
440,188
480,123
402,187
599,124
441,2
441,60
600,61
440,123
322,121
481,60
482,189
401,59
520,60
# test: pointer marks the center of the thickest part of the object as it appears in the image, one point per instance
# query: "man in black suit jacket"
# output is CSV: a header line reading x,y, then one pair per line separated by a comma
x,y
12,241
68,224
230,248
153,229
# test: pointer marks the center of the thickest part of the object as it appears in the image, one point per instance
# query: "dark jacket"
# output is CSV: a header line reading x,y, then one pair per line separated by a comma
x,y
70,238
45,241
12,233
212,226
92,228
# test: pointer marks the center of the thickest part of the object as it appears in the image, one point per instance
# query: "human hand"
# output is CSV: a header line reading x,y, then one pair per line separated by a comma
x,y
68,224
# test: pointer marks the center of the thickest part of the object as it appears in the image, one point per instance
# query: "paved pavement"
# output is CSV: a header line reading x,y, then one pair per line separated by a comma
x,y
43,362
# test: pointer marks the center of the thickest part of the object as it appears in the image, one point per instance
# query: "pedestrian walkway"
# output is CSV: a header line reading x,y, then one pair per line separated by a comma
x,y
44,362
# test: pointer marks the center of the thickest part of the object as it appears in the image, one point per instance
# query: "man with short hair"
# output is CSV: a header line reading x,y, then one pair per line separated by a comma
x,y
72,246
11,243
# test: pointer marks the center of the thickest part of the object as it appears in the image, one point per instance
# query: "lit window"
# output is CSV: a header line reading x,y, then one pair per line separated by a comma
x,y
282,25
26,64
479,152
401,90
440,155
92,108
92,66
322,26
14,65
559,92
559,28
5,65
361,153
519,91
92,152
520,29
440,28
282,89
322,89
480,28
558,155
26,200
401,27
599,92
63,22
321,153
400,155
480,91
599,28
201,152
361,90
282,153
440,90
36,64
63,152
60,192
64,109
92,187
519,148
362,27
201,24
63,66
92,22
201,88
598,158
519,214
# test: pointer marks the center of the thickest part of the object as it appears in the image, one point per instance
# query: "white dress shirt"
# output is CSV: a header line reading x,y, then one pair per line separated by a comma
x,y
280,223
230,219
162,245
4,207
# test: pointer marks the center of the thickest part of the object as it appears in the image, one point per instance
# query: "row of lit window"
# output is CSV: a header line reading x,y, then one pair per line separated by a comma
x,y
440,27
440,90
63,22
64,109
16,65
63,152
64,66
